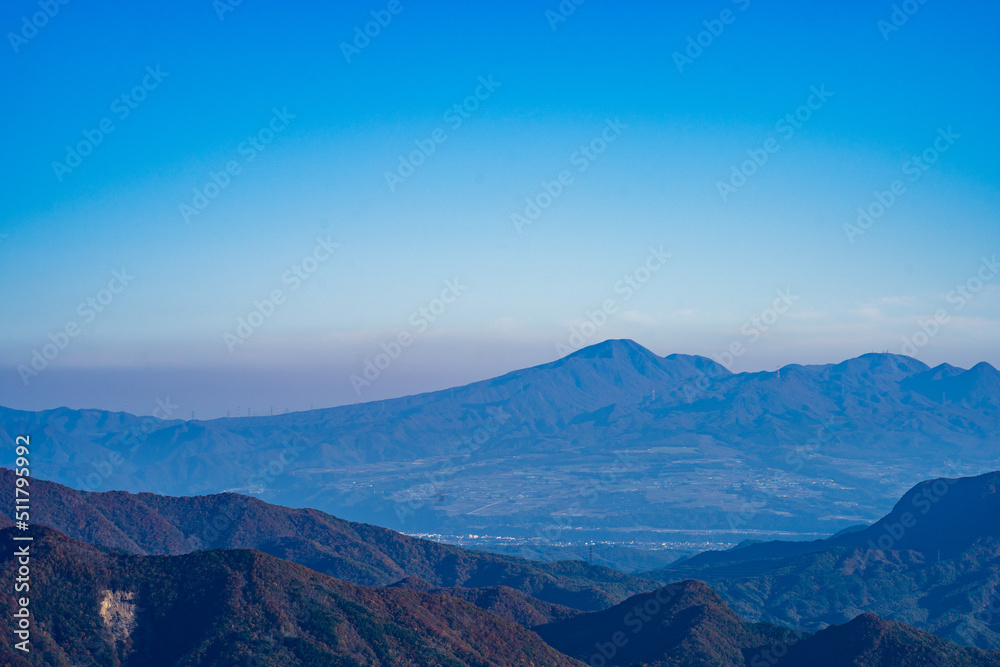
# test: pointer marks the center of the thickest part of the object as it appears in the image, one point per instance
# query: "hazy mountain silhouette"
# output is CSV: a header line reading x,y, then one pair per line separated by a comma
x,y
608,439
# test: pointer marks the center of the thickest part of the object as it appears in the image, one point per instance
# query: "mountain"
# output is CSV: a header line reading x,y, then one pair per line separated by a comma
x,y
242,607
676,452
933,562
872,641
148,524
621,558
687,624
503,601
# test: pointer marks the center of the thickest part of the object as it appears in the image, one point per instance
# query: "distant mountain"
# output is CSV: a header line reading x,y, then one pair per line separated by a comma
x,y
932,562
242,607
688,624
607,441
621,558
148,524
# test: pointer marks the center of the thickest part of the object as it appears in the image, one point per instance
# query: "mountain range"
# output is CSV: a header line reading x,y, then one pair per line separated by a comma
x,y
610,444
150,524
688,624
243,607
932,562
111,596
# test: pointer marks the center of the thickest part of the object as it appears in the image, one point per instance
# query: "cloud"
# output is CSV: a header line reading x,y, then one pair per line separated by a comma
x,y
636,316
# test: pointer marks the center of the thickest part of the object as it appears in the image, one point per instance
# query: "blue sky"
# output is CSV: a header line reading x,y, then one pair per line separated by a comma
x,y
200,89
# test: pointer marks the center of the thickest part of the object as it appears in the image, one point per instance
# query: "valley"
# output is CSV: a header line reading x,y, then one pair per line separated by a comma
x,y
577,450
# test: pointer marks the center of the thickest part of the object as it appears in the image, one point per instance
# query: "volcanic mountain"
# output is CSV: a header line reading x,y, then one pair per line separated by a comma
x,y
609,440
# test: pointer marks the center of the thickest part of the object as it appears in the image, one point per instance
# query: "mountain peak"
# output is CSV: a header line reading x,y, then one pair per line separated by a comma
x,y
613,348
985,370
945,522
883,363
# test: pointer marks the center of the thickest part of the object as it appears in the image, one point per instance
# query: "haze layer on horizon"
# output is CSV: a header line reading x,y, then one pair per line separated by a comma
x,y
245,205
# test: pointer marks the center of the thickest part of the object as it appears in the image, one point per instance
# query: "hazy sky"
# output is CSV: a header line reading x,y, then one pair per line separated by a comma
x,y
673,169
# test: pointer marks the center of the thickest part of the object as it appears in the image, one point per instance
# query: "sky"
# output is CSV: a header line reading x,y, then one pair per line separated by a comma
x,y
260,206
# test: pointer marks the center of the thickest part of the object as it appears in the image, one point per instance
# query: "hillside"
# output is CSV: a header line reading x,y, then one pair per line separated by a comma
x,y
149,524
874,642
686,624
932,562
503,601
240,607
